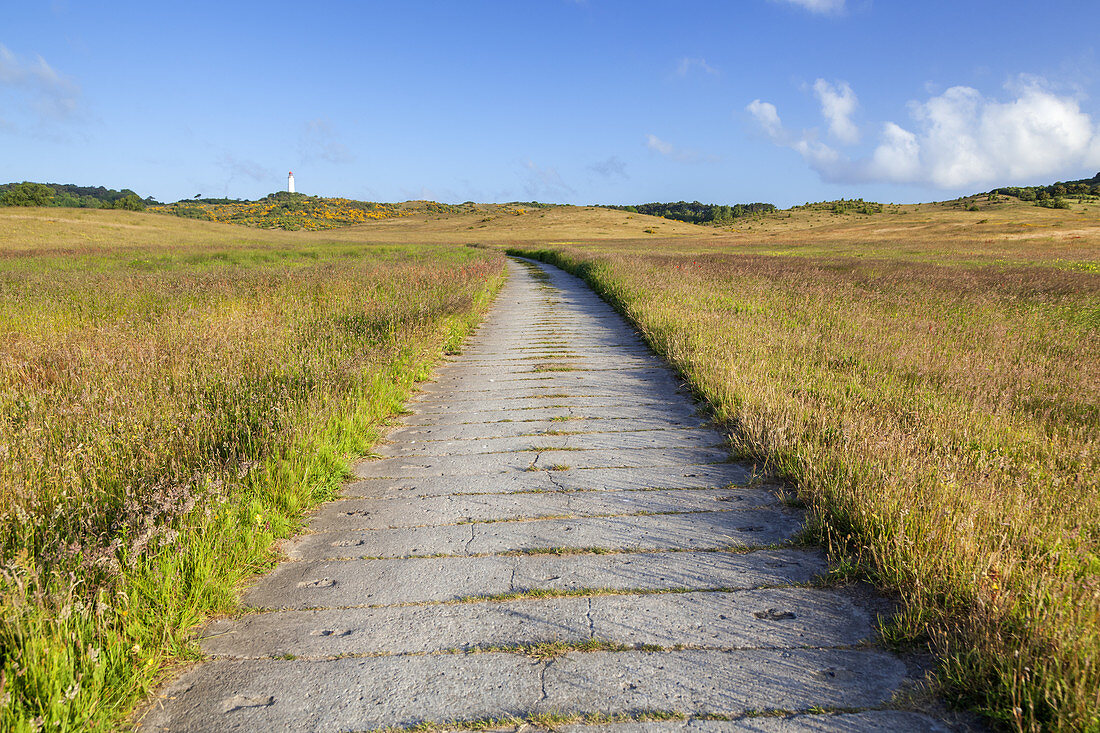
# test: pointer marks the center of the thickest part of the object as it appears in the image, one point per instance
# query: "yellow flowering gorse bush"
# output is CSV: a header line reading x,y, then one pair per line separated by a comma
x,y
286,211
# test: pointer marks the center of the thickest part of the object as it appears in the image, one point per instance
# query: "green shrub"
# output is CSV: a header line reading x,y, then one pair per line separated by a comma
x,y
130,203
27,194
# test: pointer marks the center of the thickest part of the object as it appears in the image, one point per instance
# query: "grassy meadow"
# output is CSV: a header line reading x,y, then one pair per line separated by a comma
x,y
174,392
173,395
929,379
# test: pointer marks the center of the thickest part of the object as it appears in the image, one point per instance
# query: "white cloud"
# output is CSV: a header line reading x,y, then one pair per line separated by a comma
x,y
655,143
818,153
897,158
958,138
687,64
768,118
824,7
51,96
838,103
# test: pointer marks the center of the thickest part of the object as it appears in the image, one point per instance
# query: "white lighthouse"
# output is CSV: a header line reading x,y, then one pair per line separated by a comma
x,y
290,181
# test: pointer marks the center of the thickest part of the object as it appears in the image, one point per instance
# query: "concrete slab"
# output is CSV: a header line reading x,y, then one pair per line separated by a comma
x,y
634,365
512,429
769,618
511,462
623,440
731,682
434,511
515,373
540,393
649,411
551,398
578,382
695,531
503,369
685,476
469,363
337,583
512,348
366,693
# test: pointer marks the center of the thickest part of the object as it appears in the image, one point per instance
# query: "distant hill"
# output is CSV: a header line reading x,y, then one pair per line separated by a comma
x,y
1055,194
292,211
71,196
696,213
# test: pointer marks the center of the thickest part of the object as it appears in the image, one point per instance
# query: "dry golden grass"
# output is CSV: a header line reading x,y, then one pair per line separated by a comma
x,y
1000,229
999,233
502,223
95,233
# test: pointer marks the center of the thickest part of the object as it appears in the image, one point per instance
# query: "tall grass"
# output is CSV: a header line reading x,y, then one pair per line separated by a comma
x,y
943,424
167,413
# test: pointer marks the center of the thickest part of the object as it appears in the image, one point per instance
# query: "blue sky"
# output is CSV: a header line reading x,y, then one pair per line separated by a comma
x,y
578,101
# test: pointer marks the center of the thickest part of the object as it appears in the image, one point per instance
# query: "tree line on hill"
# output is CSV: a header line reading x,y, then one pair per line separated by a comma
x,y
1054,195
696,213
843,206
70,196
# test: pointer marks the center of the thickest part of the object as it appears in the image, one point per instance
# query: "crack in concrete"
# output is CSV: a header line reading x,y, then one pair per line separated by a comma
x,y
591,622
558,485
542,681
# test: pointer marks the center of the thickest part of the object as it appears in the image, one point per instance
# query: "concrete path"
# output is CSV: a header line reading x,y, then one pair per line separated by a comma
x,y
554,535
